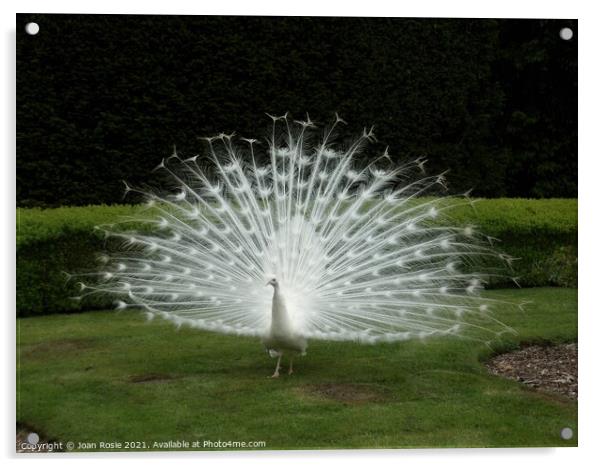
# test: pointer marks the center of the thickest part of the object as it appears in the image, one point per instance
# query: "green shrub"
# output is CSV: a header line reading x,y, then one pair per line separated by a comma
x,y
542,234
53,242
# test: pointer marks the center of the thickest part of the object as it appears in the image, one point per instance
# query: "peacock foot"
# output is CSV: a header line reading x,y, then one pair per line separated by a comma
x,y
275,375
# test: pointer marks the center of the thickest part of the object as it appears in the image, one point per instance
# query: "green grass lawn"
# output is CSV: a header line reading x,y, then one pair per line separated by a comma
x,y
108,376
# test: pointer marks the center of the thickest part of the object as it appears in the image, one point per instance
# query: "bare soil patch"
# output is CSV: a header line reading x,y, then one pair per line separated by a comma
x,y
546,368
58,346
347,393
151,378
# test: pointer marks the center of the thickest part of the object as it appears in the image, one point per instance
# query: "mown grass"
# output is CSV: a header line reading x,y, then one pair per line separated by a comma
x,y
108,376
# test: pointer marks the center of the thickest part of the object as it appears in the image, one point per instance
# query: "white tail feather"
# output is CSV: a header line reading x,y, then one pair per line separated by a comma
x,y
361,253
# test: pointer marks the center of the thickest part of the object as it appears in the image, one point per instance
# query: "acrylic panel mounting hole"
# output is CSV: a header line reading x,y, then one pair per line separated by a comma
x,y
566,34
32,28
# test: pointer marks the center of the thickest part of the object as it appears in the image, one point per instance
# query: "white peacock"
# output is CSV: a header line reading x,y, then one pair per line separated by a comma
x,y
360,253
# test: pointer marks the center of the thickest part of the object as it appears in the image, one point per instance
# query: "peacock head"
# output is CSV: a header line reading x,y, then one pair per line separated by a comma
x,y
273,282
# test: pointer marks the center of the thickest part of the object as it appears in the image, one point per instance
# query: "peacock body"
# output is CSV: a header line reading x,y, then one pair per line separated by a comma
x,y
363,253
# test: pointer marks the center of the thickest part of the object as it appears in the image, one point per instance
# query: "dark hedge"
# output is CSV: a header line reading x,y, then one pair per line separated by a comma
x,y
101,98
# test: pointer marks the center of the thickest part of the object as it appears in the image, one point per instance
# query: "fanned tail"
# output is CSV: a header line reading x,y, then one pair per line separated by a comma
x,y
361,253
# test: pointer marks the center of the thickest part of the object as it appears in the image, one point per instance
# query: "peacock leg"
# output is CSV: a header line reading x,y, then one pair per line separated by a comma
x,y
277,370
290,367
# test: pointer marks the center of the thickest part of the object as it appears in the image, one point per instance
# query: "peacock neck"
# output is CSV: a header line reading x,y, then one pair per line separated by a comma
x,y
280,318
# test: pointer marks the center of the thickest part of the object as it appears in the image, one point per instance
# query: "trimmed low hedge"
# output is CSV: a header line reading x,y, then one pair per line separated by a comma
x,y
51,242
541,233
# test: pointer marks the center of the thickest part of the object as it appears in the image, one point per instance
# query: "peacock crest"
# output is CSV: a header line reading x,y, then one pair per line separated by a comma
x,y
360,252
